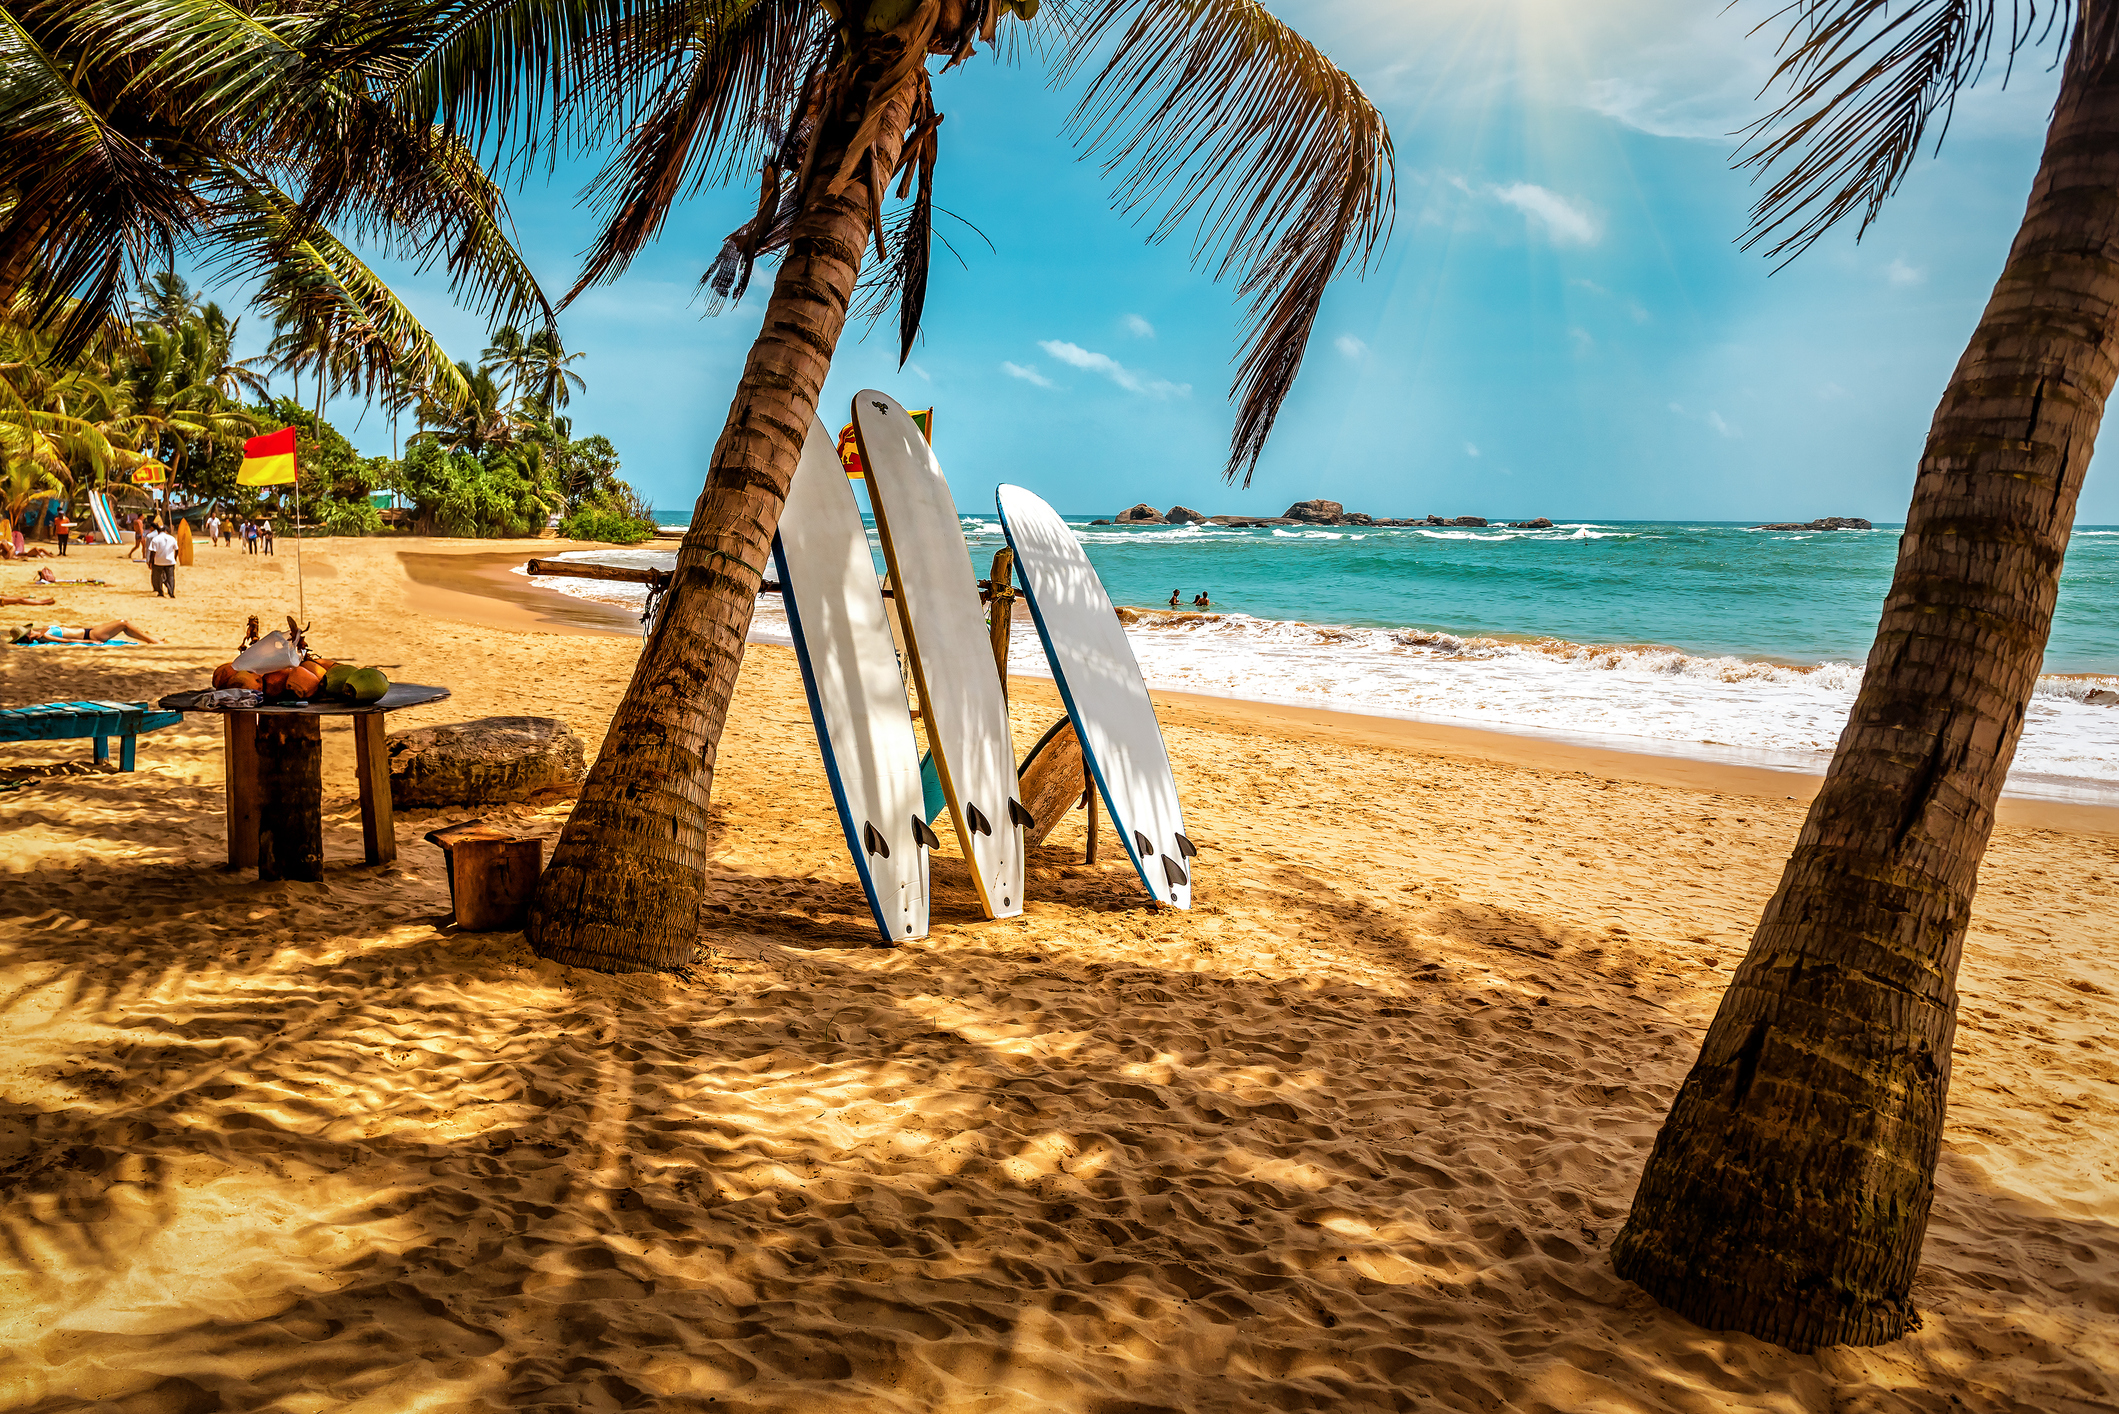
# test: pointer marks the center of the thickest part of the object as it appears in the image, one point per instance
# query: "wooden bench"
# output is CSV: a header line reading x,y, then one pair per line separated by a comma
x,y
71,721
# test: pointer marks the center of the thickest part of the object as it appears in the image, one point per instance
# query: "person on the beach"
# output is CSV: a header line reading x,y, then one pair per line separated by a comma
x,y
162,562
1201,601
1176,602
265,533
250,536
139,538
62,531
213,529
45,576
6,599
89,633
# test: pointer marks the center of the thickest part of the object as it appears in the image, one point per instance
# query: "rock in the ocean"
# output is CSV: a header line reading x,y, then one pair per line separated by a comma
x,y
1142,514
1099,522
1821,523
486,762
1184,515
1316,512
1541,523
1468,520
1357,518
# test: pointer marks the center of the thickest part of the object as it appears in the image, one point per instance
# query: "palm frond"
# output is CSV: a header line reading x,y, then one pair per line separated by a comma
x,y
1865,81
1231,123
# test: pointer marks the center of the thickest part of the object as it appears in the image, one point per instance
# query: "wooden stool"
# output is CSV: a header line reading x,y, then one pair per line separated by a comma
x,y
492,875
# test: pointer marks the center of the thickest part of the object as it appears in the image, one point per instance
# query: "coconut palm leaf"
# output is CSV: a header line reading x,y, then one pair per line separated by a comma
x,y
1864,82
310,264
1228,121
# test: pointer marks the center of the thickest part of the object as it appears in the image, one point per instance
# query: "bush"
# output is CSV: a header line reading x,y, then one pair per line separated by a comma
x,y
613,525
352,518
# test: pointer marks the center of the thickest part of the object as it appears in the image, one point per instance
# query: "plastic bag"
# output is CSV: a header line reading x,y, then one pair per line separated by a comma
x,y
269,654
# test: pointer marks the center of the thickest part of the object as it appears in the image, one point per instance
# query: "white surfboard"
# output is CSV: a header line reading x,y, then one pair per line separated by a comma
x,y
1099,680
946,646
856,695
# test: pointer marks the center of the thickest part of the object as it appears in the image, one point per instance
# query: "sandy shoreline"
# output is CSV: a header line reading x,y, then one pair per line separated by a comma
x,y
1354,1133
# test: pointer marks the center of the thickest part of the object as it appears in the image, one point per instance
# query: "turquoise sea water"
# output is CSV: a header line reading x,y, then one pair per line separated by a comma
x,y
1703,639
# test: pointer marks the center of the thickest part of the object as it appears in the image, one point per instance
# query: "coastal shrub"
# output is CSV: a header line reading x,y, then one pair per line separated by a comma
x,y
455,493
351,518
607,524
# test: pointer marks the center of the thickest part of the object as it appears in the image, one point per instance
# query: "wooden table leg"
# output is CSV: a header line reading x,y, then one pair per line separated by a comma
x,y
371,762
127,745
239,757
290,764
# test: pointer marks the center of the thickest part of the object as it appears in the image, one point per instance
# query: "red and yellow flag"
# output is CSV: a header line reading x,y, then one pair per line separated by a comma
x,y
850,447
268,460
149,473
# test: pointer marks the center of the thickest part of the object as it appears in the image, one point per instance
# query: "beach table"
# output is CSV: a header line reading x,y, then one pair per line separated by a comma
x,y
72,721
273,762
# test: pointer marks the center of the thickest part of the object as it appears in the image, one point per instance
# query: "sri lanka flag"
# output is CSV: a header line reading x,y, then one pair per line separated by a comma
x,y
268,460
850,446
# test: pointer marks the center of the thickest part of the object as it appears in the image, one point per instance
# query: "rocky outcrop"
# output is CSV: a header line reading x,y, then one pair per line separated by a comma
x,y
486,762
1142,514
1541,523
1184,515
1821,523
1099,522
1315,512
1250,522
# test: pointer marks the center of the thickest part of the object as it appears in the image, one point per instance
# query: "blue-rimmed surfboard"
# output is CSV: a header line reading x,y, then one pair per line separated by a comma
x,y
946,646
1099,679
856,695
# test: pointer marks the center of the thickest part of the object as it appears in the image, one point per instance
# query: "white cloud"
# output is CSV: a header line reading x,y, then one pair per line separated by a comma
x,y
1714,420
1028,375
1901,274
1092,362
920,373
1581,339
1564,222
1350,346
1138,327
1471,449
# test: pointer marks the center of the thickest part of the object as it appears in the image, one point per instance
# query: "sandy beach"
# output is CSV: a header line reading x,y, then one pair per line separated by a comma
x,y
1354,1133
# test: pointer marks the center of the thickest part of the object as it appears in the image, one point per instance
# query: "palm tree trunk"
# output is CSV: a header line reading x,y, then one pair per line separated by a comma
x,y
623,890
1788,1192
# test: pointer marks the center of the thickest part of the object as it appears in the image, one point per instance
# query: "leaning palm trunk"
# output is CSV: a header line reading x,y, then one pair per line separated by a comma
x,y
1788,1192
625,884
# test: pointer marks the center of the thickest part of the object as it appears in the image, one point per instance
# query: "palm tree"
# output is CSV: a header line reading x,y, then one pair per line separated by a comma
x,y
71,419
483,417
1213,110
1788,1192
538,366
174,403
129,128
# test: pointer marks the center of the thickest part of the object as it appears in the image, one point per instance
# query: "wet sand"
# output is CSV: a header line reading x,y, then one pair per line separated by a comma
x,y
1355,1132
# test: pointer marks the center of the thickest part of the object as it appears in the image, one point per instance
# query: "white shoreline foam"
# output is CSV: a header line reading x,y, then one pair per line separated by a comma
x,y
1657,701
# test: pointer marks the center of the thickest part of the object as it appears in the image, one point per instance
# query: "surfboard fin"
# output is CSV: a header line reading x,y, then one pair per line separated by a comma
x,y
1147,851
1019,815
1172,871
980,825
926,836
1185,848
872,839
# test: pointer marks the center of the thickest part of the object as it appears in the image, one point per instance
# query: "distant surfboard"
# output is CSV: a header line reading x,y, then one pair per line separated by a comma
x,y
946,646
856,694
1099,680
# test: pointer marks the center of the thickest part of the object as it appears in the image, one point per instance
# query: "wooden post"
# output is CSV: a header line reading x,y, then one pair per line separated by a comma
x,y
490,883
1089,804
290,768
371,763
1003,615
239,758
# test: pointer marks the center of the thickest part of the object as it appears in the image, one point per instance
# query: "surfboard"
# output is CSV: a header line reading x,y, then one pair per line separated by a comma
x,y
1099,680
856,694
946,646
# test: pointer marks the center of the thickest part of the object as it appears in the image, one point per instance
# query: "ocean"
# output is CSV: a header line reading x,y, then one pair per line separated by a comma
x,y
1712,641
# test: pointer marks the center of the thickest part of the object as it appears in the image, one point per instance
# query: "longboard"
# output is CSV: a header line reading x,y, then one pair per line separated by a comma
x,y
856,694
946,646
1099,680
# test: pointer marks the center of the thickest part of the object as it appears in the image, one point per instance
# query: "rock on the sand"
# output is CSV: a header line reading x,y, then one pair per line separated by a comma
x,y
1318,512
1142,514
1184,515
485,762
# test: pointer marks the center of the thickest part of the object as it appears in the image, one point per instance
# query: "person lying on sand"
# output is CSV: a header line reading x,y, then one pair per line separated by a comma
x,y
28,552
92,633
45,576
6,599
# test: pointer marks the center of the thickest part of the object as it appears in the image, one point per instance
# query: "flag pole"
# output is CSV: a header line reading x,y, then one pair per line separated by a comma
x,y
301,597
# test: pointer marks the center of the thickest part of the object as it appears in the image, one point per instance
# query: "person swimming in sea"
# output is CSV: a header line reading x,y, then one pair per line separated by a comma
x,y
1201,601
1176,601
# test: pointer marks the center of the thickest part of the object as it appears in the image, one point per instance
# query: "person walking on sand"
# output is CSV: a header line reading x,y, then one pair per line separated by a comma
x,y
62,531
213,530
265,530
250,537
162,562
139,538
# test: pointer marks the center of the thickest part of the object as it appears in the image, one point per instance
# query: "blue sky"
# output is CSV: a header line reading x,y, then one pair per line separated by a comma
x,y
1561,324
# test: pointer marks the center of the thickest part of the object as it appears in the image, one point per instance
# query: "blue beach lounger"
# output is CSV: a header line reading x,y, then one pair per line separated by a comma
x,y
70,721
